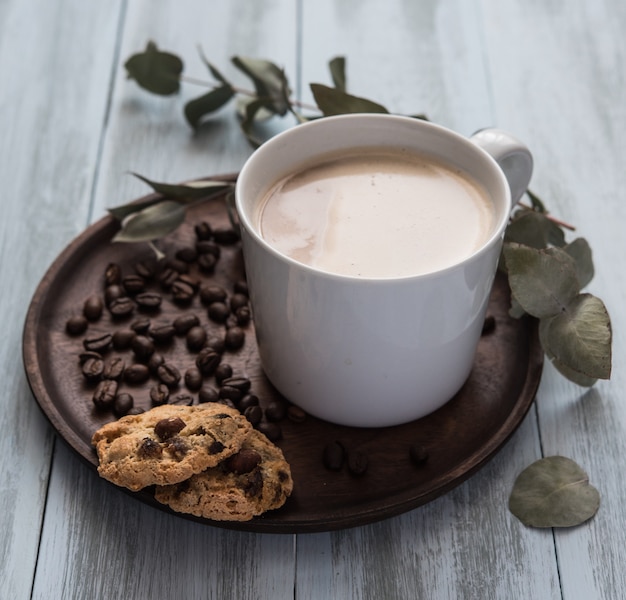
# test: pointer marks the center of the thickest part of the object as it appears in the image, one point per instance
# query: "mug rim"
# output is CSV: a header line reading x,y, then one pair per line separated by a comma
x,y
246,219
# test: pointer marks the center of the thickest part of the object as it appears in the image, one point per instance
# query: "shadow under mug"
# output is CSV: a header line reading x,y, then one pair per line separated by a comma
x,y
373,352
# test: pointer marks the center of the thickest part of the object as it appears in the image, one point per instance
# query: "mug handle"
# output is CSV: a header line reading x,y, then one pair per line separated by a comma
x,y
513,157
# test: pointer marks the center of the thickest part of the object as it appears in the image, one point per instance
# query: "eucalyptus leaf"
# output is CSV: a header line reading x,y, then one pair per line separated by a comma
x,y
580,251
151,223
337,68
544,281
213,70
252,110
269,80
332,101
199,107
156,71
189,191
536,202
579,338
534,229
553,492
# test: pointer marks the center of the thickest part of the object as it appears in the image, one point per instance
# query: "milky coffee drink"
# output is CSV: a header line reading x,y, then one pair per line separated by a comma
x,y
377,214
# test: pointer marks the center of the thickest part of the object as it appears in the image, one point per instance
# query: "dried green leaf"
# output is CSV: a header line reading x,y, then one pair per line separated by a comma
x,y
580,251
337,68
553,492
544,282
213,70
534,229
155,71
199,107
253,110
536,202
579,338
187,192
151,223
332,101
269,81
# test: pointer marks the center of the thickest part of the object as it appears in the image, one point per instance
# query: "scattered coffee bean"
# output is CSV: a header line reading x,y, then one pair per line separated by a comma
x,y
167,277
180,266
169,375
141,326
230,393
216,342
143,347
247,401
113,292
122,307
222,372
227,402
133,284
333,456
357,462
206,263
243,384
418,454
92,369
196,337
207,361
245,461
489,325
155,361
184,323
98,343
241,287
254,414
272,431
204,247
238,301
83,357
225,236
123,338
218,312
235,338
182,400
212,293
296,414
182,293
146,269
187,254
203,230
168,428
92,308
208,394
243,315
163,334
276,411
104,395
112,275
123,404
149,300
190,281
114,368
193,379
159,394
136,373
136,410
76,325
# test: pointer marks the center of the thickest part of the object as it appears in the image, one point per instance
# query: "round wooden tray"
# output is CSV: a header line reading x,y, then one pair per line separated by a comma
x,y
459,438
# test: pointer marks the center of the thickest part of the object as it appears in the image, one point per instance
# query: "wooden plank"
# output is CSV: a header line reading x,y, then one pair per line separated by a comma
x,y
559,79
426,57
99,542
52,104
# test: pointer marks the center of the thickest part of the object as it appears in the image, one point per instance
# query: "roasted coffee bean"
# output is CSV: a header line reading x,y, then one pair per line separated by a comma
x,y
489,325
182,293
83,357
113,292
187,254
182,400
168,374
149,300
180,266
227,402
190,281
272,431
243,315
333,456
231,321
92,308
133,284
92,369
136,410
247,401
122,307
207,361
244,461
418,454
104,395
184,323
168,428
237,301
98,343
230,393
136,373
162,334
243,384
241,287
195,338
193,379
76,325
235,338
122,338
114,368
203,230
212,293
208,394
254,414
357,462
141,326
222,372
167,277
206,263
112,275
159,394
216,343
225,236
146,269
218,312
143,347
155,361
296,414
276,411
123,404
208,247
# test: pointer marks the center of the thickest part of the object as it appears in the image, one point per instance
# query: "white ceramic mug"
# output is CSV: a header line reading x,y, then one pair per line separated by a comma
x,y
372,352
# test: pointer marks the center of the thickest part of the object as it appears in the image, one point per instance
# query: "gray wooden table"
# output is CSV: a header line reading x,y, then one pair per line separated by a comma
x,y
72,128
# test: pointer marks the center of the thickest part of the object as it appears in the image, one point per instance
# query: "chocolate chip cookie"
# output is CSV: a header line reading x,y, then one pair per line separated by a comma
x,y
168,443
254,480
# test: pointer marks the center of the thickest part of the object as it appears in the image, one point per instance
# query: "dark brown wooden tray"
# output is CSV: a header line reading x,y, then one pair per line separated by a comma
x,y
460,437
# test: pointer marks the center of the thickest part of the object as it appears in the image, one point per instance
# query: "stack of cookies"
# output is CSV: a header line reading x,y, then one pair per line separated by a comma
x,y
205,460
